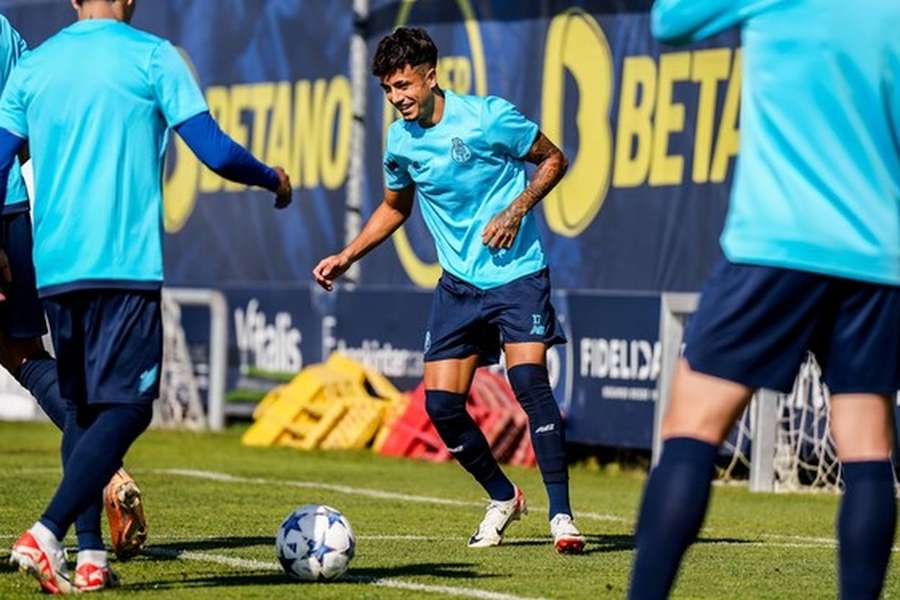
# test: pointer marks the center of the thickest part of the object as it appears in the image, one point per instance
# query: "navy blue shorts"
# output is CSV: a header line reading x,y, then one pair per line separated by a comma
x,y
467,320
755,325
22,314
108,345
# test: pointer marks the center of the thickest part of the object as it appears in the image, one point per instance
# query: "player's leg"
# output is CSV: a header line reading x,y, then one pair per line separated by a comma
x,y
22,322
526,367
524,314
862,370
751,330
22,325
447,389
863,435
702,411
457,342
122,334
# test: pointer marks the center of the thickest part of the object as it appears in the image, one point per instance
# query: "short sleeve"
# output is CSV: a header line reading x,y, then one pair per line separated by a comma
x,y
506,129
396,174
13,115
177,93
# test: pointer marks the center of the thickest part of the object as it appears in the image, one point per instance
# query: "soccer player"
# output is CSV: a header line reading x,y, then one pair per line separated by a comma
x,y
22,325
95,103
464,157
812,262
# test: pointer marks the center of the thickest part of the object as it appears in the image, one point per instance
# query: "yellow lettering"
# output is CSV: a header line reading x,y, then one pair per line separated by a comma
x,y
261,95
709,67
308,126
337,115
667,169
577,44
278,149
728,140
635,127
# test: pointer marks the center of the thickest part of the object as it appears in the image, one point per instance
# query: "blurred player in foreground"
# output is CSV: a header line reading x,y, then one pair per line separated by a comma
x,y
95,102
464,156
812,262
22,325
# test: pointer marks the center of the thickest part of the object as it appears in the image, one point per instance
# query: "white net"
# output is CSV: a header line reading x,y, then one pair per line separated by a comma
x,y
805,458
180,404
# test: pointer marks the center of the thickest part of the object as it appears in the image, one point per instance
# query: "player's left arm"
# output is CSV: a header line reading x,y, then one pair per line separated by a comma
x,y
551,163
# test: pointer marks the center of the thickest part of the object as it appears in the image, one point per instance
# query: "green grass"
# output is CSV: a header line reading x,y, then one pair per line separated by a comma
x,y
740,555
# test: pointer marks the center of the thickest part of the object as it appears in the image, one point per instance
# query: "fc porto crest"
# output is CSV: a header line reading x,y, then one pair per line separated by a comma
x,y
459,151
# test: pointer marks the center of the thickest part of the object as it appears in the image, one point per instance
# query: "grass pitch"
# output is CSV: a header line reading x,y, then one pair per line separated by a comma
x,y
214,505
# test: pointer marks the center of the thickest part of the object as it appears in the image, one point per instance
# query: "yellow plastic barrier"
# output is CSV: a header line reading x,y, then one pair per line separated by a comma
x,y
335,405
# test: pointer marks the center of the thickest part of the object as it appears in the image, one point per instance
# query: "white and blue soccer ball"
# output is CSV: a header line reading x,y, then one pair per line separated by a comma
x,y
315,543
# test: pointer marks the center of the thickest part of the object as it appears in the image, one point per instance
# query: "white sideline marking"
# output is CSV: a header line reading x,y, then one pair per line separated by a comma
x,y
350,490
399,584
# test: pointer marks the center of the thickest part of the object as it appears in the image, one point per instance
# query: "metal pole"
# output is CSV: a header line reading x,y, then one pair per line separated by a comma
x,y
673,309
359,73
762,452
218,346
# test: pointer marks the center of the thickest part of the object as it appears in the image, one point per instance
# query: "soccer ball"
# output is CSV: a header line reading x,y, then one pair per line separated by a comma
x,y
315,543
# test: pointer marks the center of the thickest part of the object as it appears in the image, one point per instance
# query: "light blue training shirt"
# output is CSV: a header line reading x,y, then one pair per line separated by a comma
x,y
467,168
12,46
817,183
95,102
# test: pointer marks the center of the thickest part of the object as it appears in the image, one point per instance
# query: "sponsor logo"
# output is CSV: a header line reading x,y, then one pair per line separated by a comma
x,y
545,428
263,345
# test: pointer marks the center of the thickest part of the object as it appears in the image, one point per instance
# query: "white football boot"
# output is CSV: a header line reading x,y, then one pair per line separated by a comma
x,y
497,517
566,537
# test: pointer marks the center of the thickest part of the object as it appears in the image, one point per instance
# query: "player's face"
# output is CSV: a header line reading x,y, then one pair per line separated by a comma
x,y
411,90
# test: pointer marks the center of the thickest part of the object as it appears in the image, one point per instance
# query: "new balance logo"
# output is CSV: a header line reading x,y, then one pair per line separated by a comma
x,y
545,428
537,328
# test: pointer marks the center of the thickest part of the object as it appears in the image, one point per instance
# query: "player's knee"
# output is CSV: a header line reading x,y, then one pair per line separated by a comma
x,y
442,405
531,384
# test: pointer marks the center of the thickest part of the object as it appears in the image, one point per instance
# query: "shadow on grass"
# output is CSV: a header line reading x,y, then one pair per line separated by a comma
x,y
353,576
216,543
616,543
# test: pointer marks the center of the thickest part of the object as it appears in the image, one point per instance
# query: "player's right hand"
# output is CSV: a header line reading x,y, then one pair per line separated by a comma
x,y
283,195
5,275
329,269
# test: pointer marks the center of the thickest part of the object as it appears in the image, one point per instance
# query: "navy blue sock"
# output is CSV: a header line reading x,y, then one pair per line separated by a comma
x,y
672,512
465,441
531,384
866,523
38,376
110,430
87,524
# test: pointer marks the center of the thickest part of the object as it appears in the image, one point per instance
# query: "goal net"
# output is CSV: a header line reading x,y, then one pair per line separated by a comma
x,y
192,384
782,442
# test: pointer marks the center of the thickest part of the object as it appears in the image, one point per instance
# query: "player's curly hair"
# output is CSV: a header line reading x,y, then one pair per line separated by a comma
x,y
406,46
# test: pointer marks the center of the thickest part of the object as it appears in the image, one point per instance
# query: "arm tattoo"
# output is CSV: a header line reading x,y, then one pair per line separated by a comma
x,y
551,166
